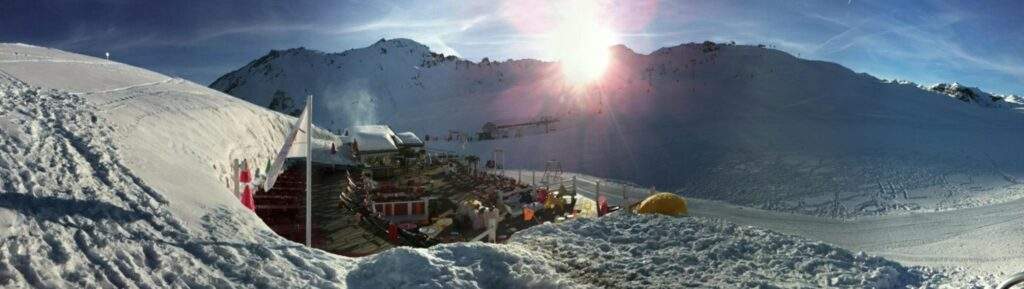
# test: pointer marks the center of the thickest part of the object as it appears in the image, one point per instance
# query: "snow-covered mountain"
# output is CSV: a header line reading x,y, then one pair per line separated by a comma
x,y
975,95
745,124
113,176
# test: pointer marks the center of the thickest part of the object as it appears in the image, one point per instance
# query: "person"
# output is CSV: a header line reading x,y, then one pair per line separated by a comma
x,y
572,200
527,213
478,219
551,202
559,204
602,205
392,232
525,197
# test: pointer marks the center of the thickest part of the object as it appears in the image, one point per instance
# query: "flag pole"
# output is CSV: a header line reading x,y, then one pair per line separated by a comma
x,y
309,171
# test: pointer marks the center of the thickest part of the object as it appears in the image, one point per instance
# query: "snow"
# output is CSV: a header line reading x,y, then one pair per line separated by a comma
x,y
341,156
746,125
373,138
971,242
112,176
87,214
706,253
470,265
409,138
974,95
640,251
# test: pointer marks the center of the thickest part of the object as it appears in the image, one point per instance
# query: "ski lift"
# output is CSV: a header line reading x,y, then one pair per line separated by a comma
x,y
552,173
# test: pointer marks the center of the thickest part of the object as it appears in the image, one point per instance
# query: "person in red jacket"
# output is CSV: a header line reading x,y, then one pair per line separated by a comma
x,y
392,233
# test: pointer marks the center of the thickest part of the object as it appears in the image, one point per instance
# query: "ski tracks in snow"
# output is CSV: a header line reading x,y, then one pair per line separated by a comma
x,y
119,102
168,80
52,60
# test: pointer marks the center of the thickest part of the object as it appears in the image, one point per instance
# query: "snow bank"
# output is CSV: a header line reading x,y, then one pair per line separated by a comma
x,y
645,251
465,265
77,217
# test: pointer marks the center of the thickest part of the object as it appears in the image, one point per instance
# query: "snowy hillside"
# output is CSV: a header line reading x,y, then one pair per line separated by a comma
x,y
110,179
111,176
744,124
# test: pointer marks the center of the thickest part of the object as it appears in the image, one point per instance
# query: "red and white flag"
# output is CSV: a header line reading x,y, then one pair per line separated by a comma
x,y
247,199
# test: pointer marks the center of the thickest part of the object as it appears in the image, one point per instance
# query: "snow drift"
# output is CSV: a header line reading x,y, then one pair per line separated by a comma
x,y
707,253
113,184
744,124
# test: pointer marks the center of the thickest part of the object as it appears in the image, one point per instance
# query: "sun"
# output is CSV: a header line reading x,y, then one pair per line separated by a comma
x,y
580,41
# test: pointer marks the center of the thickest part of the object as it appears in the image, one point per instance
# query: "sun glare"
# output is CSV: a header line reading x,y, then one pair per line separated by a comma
x,y
580,41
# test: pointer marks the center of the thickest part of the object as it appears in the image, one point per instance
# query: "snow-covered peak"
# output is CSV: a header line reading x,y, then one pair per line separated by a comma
x,y
400,43
972,95
1013,98
901,82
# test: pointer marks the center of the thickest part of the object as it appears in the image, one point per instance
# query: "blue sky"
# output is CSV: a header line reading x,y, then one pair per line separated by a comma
x,y
979,43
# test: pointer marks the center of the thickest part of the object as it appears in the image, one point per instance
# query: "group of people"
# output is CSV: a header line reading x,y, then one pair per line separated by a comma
x,y
475,216
552,203
356,197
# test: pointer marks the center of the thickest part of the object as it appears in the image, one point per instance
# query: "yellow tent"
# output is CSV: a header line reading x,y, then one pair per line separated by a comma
x,y
663,203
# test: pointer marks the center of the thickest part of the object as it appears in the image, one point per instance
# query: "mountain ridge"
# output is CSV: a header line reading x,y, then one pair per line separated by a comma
x,y
619,49
739,123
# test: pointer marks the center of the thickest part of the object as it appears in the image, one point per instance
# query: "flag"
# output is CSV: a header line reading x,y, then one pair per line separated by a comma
x,y
267,168
301,126
245,177
247,199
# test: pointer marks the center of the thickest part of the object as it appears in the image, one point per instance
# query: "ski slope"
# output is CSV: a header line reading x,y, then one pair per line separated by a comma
x,y
742,124
113,176
978,241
